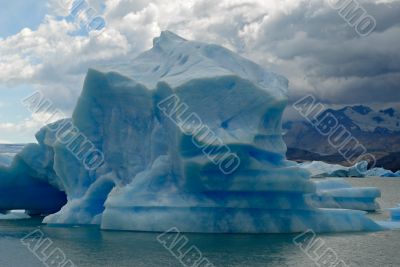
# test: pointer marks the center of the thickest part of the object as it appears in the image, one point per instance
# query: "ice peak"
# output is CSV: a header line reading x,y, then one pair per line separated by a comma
x,y
363,110
167,38
176,61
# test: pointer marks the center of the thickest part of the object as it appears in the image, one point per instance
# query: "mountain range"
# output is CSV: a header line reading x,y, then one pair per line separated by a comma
x,y
378,131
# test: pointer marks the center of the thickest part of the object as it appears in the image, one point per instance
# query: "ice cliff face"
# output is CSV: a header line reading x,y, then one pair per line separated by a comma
x,y
190,134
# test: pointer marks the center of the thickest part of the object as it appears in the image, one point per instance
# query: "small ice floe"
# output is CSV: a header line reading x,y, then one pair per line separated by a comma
x,y
319,169
394,223
395,213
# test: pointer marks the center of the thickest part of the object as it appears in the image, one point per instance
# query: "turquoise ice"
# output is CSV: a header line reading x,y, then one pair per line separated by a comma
x,y
191,136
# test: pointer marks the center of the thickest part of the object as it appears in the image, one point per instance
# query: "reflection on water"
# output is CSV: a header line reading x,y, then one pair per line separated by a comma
x,y
88,246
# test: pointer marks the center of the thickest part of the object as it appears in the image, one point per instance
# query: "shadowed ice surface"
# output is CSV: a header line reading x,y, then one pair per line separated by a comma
x,y
191,137
88,246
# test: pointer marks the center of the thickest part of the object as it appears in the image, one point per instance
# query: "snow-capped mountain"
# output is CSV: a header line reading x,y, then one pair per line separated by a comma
x,y
378,131
368,120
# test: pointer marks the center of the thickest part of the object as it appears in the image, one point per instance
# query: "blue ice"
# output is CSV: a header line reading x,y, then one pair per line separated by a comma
x,y
191,136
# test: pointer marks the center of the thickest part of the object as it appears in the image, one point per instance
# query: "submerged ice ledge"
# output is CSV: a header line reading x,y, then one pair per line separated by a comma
x,y
163,170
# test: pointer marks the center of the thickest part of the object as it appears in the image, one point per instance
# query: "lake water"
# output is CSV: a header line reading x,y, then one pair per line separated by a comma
x,y
88,246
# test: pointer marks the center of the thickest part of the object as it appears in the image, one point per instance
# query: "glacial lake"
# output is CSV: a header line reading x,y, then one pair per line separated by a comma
x,y
88,246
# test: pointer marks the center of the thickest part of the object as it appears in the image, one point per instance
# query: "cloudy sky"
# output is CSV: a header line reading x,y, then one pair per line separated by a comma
x,y
43,47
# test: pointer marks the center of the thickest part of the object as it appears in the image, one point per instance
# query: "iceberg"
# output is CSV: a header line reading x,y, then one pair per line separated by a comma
x,y
395,213
394,222
381,172
29,182
320,169
190,137
338,193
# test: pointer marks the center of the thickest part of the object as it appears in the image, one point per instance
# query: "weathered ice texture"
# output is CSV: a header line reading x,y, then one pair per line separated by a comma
x,y
191,137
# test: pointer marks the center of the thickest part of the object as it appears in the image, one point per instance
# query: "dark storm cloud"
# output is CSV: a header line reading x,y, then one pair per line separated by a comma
x,y
305,40
333,62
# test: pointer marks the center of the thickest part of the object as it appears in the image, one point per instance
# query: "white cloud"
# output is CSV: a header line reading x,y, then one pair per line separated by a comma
x,y
55,60
26,129
303,39
23,131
